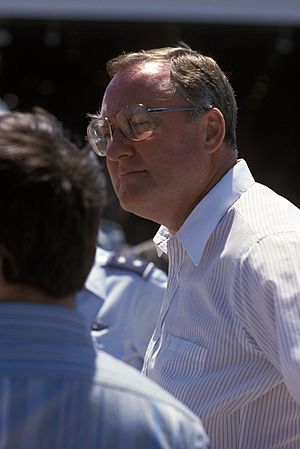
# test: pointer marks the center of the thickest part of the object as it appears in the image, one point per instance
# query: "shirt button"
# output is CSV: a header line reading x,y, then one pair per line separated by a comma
x,y
98,327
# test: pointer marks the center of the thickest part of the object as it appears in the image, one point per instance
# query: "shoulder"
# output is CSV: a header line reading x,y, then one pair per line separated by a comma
x,y
129,389
115,275
266,212
124,262
116,375
109,263
133,407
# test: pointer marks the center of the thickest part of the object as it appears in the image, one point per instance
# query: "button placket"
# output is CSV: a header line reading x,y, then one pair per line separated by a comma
x,y
176,257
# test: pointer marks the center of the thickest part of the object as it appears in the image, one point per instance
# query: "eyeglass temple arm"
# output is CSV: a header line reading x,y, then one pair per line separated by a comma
x,y
170,109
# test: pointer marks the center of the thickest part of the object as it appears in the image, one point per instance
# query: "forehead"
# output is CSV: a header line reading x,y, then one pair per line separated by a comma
x,y
147,83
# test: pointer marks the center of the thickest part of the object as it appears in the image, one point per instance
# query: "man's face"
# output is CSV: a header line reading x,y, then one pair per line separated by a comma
x,y
162,177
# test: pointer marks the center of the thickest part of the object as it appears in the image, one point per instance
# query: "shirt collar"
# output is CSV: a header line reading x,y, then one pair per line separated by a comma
x,y
199,225
47,331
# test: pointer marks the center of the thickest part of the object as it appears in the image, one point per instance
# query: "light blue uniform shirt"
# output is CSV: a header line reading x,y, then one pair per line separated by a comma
x,y
121,302
56,394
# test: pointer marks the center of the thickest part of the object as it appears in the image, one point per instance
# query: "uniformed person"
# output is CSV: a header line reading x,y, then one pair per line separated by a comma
x,y
121,302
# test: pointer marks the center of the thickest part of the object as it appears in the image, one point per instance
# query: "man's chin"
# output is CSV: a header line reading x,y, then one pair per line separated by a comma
x,y
131,207
135,204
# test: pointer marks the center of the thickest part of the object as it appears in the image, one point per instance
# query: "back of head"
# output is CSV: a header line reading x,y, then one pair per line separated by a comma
x,y
50,205
196,77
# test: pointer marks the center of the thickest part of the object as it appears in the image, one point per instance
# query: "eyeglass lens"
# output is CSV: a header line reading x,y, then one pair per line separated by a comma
x,y
99,135
134,121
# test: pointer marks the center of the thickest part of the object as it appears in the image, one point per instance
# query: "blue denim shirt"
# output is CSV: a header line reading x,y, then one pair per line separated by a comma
x,y
55,393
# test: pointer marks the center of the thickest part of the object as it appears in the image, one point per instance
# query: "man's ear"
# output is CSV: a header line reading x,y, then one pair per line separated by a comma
x,y
215,129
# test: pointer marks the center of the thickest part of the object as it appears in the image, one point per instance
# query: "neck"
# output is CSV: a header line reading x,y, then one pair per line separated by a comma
x,y
216,175
27,294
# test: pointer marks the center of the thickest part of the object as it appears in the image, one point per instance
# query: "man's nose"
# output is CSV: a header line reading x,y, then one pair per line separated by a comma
x,y
120,146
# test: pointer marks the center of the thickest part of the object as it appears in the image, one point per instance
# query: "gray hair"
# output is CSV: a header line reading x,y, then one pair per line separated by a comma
x,y
196,77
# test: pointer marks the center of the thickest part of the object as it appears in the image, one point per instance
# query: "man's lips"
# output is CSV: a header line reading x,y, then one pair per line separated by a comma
x,y
130,172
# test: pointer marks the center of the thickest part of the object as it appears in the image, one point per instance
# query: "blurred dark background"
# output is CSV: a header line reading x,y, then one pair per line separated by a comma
x,y
60,66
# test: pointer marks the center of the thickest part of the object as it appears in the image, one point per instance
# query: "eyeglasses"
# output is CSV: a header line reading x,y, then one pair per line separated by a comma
x,y
134,121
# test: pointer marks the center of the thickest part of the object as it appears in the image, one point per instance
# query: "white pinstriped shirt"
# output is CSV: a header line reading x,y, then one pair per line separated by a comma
x,y
227,343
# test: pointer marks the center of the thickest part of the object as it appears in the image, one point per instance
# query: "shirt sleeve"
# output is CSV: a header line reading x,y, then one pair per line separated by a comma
x,y
269,302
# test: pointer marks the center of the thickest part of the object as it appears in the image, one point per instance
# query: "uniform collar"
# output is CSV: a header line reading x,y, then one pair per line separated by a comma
x,y
199,225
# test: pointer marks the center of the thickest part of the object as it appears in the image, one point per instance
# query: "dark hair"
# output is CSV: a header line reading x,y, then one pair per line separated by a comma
x,y
196,77
51,197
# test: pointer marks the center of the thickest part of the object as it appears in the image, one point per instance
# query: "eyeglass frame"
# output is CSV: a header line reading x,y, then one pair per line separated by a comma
x,y
148,110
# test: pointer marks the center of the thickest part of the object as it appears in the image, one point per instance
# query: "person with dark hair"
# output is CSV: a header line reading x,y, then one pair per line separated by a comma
x,y
55,392
227,341
44,175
